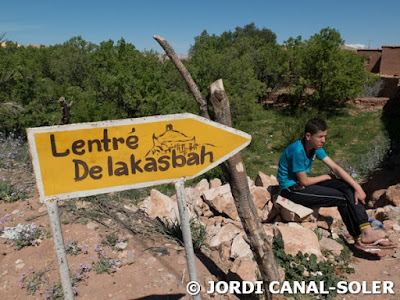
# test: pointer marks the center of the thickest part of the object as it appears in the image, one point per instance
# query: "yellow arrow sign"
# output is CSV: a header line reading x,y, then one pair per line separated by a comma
x,y
91,158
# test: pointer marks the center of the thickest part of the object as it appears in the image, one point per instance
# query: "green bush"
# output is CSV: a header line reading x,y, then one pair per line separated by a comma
x,y
110,240
198,231
305,267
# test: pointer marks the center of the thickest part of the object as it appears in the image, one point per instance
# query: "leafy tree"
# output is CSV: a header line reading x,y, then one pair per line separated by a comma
x,y
7,109
270,67
259,37
115,80
295,59
106,81
24,86
333,75
242,59
68,63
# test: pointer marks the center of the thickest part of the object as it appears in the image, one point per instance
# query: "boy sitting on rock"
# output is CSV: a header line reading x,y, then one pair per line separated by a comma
x,y
337,189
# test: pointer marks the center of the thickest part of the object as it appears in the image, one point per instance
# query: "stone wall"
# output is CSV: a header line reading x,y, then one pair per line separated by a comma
x,y
390,87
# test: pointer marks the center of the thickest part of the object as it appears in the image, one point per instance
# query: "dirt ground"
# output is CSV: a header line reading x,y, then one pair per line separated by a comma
x,y
149,269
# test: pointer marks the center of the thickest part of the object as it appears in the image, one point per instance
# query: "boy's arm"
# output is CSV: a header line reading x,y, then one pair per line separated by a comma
x,y
359,193
306,181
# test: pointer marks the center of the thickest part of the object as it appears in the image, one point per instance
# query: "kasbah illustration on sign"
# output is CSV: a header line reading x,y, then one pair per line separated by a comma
x,y
172,140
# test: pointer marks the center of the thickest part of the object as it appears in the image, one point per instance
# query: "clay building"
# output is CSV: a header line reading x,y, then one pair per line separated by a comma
x,y
385,61
373,59
390,61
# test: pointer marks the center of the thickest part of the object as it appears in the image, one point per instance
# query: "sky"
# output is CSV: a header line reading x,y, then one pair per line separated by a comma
x,y
368,23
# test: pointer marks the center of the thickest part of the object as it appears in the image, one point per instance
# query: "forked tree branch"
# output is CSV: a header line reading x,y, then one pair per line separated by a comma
x,y
201,101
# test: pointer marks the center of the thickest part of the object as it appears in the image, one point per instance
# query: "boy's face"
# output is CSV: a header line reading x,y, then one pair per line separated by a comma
x,y
316,140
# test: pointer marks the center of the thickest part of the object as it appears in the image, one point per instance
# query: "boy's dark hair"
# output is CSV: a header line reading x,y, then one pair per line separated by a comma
x,y
313,125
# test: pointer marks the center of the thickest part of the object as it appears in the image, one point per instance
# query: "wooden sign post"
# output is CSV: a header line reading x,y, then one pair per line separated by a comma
x,y
86,159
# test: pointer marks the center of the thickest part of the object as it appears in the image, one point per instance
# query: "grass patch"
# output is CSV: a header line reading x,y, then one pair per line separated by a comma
x,y
104,265
110,240
55,292
351,136
198,231
32,283
9,193
73,248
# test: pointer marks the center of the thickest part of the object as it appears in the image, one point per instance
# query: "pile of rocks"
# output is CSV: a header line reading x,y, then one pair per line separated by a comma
x,y
383,197
213,205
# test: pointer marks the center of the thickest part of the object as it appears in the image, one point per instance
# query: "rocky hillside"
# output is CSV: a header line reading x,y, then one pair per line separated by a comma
x,y
116,250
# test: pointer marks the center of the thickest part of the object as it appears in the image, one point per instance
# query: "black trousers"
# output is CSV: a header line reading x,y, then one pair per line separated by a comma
x,y
334,192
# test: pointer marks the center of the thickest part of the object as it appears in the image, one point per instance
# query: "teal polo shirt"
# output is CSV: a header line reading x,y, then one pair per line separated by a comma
x,y
294,159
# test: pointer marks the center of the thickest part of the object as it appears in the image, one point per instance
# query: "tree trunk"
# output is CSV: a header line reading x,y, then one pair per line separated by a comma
x,y
235,173
260,243
65,109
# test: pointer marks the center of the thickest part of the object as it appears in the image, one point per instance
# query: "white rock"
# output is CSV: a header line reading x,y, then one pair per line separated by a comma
x,y
226,233
160,205
20,266
299,239
221,200
260,196
131,207
203,185
265,180
214,183
245,268
92,225
121,245
396,228
240,248
331,245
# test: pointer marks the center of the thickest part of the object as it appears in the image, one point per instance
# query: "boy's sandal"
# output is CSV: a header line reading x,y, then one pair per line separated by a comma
x,y
378,244
368,253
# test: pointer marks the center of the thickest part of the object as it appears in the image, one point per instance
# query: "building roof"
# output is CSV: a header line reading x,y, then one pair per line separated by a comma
x,y
370,49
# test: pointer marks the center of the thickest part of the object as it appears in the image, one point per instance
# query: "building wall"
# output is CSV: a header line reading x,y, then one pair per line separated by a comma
x,y
390,65
373,61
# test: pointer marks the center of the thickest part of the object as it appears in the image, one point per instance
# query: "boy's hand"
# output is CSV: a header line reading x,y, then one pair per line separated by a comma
x,y
359,194
333,176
